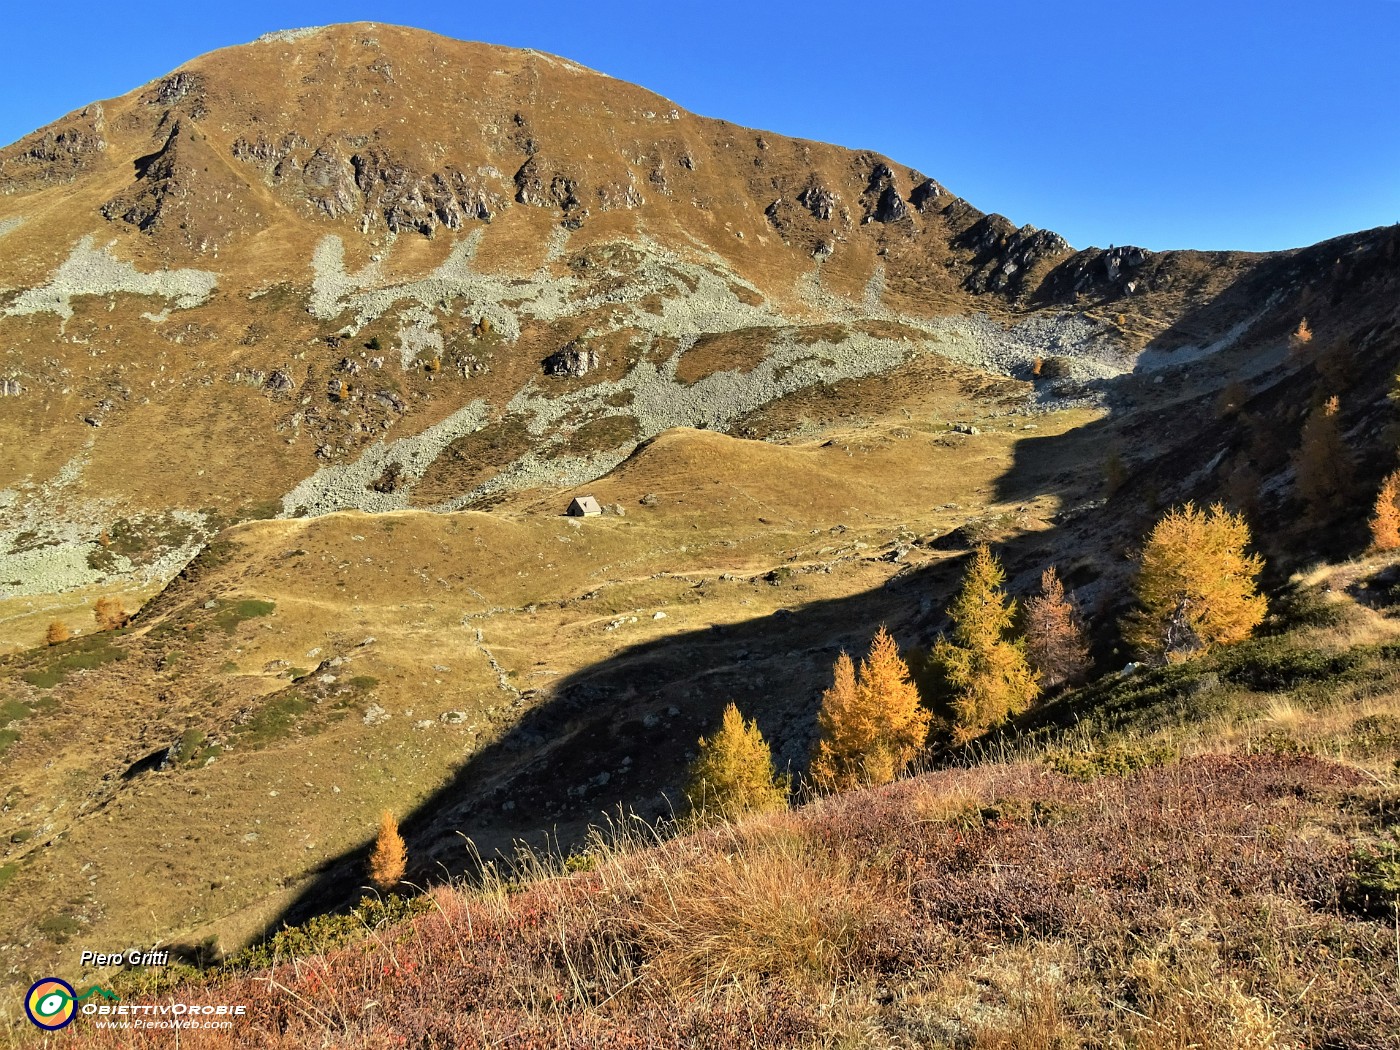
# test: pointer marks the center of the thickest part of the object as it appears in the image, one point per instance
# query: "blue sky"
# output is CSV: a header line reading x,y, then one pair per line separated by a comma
x,y
1193,123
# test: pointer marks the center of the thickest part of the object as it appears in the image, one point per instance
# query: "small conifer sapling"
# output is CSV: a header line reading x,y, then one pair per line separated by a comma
x,y
733,773
1196,584
1055,642
871,724
1385,517
390,857
983,662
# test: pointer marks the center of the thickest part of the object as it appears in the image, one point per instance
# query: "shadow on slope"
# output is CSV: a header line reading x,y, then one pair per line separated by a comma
x,y
617,737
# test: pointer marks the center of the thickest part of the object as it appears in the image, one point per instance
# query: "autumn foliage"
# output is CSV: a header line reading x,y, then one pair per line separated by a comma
x,y
390,856
1055,642
1385,518
1323,463
871,725
58,632
1196,585
983,663
109,614
733,773
1301,337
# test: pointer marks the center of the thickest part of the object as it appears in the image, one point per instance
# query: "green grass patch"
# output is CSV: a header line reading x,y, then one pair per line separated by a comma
x,y
81,654
60,928
229,615
1375,883
1371,736
326,932
194,749
8,872
598,435
1111,760
135,538
7,738
277,719
1223,684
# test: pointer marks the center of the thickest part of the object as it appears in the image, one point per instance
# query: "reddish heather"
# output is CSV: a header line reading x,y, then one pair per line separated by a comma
x,y
1200,903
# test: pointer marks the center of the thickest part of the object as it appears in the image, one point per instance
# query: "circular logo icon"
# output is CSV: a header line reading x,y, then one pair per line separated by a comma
x,y
50,1004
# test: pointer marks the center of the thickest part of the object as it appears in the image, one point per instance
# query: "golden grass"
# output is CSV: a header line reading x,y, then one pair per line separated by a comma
x,y
784,911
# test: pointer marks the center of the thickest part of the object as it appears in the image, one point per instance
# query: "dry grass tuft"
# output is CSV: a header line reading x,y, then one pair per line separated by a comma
x,y
781,911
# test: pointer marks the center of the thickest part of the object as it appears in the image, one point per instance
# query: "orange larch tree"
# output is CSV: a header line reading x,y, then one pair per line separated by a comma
x,y
1055,642
871,725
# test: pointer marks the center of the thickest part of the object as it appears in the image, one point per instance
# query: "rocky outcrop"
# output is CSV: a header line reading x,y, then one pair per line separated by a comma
x,y
269,154
539,184
56,154
571,360
374,184
1118,271
329,180
818,200
183,89
926,195
959,216
882,199
159,178
890,207
1004,256
618,194
408,200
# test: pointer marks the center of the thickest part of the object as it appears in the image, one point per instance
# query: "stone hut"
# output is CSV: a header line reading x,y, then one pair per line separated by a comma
x,y
583,507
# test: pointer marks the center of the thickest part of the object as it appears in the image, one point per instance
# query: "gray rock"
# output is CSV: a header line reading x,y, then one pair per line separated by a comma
x,y
890,207
818,200
389,399
925,195
571,360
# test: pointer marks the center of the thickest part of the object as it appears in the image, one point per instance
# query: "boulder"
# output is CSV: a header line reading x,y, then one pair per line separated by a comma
x,y
571,360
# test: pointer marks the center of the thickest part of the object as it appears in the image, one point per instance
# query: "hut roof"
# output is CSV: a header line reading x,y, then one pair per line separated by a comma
x,y
582,506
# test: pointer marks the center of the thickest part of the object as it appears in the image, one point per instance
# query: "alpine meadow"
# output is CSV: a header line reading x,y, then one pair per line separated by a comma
x,y
490,558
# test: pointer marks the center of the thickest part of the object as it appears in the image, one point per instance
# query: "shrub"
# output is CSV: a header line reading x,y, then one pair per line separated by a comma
x,y
57,633
733,773
1195,584
1055,642
390,856
983,664
1112,760
871,725
109,614
1375,881
1232,399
